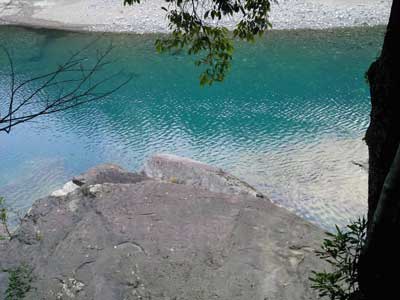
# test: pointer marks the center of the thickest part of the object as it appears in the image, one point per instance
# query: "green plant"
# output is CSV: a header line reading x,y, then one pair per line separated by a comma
x,y
19,282
341,250
4,219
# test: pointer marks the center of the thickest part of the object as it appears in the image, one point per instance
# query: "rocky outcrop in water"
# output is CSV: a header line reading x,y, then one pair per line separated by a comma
x,y
117,235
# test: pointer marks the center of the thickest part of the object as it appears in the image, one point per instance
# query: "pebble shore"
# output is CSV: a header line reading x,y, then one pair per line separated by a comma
x,y
112,16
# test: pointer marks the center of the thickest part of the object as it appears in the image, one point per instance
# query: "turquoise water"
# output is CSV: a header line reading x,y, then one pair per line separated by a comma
x,y
289,119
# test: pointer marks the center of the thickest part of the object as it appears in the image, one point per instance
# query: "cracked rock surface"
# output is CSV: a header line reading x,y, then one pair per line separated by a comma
x,y
145,239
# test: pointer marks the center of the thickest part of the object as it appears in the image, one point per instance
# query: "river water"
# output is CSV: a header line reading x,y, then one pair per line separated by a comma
x,y
289,118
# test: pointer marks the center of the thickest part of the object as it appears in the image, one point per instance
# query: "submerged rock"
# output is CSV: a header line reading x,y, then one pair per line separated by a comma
x,y
146,239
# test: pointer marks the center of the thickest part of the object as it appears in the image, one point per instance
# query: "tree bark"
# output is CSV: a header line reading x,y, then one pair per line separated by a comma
x,y
381,255
382,248
383,134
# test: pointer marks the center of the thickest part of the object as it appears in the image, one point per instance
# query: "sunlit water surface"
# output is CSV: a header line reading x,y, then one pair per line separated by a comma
x,y
289,119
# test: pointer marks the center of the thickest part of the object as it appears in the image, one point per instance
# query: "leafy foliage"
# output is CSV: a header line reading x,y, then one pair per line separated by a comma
x,y
19,282
4,218
196,26
342,251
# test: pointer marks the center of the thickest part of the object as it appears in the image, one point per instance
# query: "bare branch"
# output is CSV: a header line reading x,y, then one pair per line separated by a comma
x,y
71,84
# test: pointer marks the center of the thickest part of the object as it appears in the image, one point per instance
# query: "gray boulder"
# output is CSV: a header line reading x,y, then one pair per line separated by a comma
x,y
175,169
107,173
146,239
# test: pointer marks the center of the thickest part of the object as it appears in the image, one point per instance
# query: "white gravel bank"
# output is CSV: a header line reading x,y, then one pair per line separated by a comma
x,y
111,15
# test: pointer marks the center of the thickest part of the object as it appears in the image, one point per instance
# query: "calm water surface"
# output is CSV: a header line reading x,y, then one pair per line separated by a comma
x,y
289,119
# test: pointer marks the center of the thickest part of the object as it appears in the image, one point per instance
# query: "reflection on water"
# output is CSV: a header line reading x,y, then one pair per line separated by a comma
x,y
289,119
315,179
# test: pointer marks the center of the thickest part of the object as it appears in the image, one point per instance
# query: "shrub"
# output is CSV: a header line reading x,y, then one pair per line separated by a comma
x,y
19,282
341,250
4,219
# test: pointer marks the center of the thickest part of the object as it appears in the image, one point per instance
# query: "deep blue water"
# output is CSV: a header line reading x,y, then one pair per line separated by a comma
x,y
289,118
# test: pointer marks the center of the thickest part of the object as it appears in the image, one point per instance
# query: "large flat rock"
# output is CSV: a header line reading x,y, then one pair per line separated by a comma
x,y
146,239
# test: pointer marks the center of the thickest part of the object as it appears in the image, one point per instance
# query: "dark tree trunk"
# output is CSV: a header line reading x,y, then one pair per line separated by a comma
x,y
381,256
383,134
381,261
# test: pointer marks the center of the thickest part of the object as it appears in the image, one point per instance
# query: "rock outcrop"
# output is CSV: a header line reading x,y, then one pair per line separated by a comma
x,y
124,236
175,169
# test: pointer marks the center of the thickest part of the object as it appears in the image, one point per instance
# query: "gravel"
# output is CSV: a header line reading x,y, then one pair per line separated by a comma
x,y
111,15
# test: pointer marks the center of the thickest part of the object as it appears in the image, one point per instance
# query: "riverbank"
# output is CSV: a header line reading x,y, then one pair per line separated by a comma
x,y
112,16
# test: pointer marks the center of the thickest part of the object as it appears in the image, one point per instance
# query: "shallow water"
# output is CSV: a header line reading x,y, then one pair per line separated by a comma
x,y
289,119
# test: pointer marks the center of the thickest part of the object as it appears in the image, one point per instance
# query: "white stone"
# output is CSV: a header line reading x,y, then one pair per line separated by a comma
x,y
65,190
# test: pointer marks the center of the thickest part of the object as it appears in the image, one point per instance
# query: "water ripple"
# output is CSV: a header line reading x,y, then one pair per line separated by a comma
x,y
289,119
